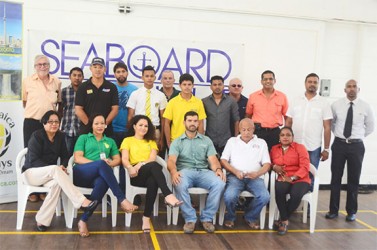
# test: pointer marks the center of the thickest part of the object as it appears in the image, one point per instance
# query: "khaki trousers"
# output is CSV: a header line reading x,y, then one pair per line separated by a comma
x,y
53,177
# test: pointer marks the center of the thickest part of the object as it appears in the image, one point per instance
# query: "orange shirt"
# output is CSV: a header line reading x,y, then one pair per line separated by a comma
x,y
268,112
40,98
295,161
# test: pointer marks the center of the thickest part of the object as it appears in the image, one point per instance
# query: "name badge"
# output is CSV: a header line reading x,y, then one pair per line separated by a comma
x,y
89,91
102,156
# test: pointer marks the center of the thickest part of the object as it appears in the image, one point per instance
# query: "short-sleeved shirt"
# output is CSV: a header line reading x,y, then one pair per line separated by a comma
x,y
308,116
176,110
139,150
268,112
138,99
96,100
219,118
192,153
92,148
39,97
174,94
244,156
124,93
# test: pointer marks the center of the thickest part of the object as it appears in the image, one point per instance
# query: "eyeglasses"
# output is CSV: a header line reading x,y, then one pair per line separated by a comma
x,y
236,85
53,122
40,65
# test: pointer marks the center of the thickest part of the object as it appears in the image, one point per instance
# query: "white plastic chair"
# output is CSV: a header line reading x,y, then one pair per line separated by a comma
x,y
24,190
262,217
72,212
132,191
309,198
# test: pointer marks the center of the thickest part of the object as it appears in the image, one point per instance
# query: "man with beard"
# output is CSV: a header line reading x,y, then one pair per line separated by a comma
x,y
70,122
267,108
124,92
97,95
193,163
353,121
221,110
310,116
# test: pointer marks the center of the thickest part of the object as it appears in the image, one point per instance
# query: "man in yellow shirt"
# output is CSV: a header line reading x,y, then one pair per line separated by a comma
x,y
179,106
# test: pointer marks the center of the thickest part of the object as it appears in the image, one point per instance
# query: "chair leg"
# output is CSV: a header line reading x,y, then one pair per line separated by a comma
x,y
155,205
68,210
271,215
175,215
221,212
305,212
262,218
114,210
313,216
168,215
21,207
104,206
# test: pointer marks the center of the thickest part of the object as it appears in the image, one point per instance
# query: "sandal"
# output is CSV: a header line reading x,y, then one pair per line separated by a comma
x,y
253,225
283,228
146,229
84,233
229,224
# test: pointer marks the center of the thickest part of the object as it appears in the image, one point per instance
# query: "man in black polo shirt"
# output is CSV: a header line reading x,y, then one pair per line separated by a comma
x,y
97,95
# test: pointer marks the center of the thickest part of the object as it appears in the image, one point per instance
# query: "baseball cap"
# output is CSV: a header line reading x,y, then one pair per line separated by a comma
x,y
98,60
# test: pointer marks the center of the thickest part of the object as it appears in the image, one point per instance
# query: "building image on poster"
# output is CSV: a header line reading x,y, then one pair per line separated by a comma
x,y
10,51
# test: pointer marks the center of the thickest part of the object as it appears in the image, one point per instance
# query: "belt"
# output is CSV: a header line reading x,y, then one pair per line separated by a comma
x,y
348,141
258,127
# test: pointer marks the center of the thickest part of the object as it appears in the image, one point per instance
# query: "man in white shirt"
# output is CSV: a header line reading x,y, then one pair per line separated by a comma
x,y
310,117
148,101
353,121
246,159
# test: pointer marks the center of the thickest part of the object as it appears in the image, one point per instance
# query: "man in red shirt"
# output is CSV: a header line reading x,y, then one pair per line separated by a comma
x,y
267,108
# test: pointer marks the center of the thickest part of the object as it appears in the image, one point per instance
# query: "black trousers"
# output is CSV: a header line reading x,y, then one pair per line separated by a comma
x,y
30,125
151,176
353,154
296,191
271,136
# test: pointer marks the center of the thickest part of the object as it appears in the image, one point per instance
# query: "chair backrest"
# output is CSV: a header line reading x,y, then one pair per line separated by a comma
x,y
19,164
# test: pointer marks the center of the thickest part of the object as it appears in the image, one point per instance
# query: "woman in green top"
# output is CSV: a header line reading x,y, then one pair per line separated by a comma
x,y
139,152
95,156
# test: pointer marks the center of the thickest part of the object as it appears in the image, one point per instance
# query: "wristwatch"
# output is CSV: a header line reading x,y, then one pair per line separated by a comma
x,y
327,150
294,178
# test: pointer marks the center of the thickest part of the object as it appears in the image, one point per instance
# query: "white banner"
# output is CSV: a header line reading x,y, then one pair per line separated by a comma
x,y
200,59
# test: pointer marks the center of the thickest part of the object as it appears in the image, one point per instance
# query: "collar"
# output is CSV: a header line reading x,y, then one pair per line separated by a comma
x,y
222,97
90,134
181,98
184,136
292,145
252,139
36,77
260,92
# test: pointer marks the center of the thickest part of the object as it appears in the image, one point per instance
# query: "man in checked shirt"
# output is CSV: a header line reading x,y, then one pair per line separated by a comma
x,y
70,122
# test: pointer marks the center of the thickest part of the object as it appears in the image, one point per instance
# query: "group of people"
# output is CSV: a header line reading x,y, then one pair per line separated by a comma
x,y
109,124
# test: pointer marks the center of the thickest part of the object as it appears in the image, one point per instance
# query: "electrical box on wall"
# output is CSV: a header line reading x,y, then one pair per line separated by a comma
x,y
325,87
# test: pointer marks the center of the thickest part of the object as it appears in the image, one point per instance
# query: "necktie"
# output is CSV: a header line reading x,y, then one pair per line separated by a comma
x,y
148,104
348,125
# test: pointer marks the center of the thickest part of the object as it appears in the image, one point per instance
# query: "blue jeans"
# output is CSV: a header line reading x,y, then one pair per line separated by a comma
x,y
235,186
202,178
70,141
314,156
99,176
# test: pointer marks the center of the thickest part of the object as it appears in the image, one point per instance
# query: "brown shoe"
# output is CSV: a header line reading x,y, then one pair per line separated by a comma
x,y
33,198
189,227
253,225
283,228
208,226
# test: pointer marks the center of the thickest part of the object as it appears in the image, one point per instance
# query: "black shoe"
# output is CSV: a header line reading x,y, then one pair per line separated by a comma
x,y
350,217
41,228
331,216
91,207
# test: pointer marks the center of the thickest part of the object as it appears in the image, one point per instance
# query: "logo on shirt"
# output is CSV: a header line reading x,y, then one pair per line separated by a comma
x,y
89,91
106,90
106,145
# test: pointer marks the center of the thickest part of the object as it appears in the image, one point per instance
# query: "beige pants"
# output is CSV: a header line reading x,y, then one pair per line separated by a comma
x,y
53,177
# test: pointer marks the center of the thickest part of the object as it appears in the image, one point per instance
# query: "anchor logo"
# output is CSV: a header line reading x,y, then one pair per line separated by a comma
x,y
144,55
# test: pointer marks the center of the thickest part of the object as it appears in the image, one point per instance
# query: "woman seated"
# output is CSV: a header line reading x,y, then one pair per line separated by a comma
x,y
95,156
44,148
139,152
290,161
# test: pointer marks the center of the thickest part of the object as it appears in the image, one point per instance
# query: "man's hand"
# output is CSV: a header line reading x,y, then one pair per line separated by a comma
x,y
252,175
176,178
239,174
324,155
220,174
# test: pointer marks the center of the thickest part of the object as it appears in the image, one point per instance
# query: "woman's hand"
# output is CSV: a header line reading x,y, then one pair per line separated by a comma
x,y
279,169
64,169
286,178
132,172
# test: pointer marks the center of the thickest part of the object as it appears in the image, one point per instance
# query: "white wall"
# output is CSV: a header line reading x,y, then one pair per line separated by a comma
x,y
292,38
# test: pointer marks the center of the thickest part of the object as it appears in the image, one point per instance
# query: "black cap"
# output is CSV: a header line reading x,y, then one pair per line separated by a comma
x,y
98,60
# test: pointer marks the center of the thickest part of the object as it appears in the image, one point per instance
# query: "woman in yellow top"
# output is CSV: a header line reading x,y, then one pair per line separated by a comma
x,y
139,152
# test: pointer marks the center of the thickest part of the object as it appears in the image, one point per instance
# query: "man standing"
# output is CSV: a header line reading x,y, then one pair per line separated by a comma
x,y
353,121
70,122
148,101
235,91
177,108
193,163
310,116
167,81
221,110
267,108
125,90
247,159
97,95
